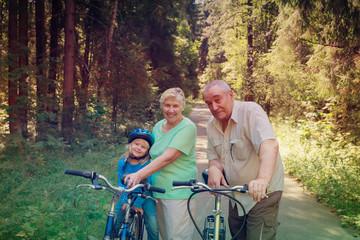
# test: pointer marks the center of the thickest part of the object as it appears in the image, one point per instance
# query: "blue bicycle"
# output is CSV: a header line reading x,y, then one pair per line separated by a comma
x,y
131,224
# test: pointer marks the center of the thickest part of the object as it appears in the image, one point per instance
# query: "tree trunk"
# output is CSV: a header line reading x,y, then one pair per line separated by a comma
x,y
204,50
14,123
69,67
85,76
40,78
115,110
23,63
249,91
105,72
54,55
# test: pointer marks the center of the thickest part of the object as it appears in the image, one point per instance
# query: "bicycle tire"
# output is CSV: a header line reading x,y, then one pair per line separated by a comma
x,y
136,227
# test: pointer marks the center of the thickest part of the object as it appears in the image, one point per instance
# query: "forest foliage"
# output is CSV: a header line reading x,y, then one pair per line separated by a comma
x,y
93,68
287,55
304,57
300,60
76,76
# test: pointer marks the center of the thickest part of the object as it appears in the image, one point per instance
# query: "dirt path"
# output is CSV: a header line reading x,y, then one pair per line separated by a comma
x,y
301,216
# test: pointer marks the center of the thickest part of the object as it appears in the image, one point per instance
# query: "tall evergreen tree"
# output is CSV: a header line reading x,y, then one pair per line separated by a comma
x,y
13,84
69,68
55,30
23,64
41,81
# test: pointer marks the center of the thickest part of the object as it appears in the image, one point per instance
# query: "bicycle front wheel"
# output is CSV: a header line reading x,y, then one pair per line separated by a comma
x,y
136,227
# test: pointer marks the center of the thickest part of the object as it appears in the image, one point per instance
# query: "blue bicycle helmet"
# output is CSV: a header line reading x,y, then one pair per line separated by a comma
x,y
143,134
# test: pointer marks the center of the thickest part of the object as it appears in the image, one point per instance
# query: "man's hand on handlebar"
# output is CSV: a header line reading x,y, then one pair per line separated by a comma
x,y
216,178
257,189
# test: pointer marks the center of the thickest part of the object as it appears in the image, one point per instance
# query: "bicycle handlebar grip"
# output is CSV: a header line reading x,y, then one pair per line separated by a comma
x,y
78,173
184,183
181,183
156,189
122,179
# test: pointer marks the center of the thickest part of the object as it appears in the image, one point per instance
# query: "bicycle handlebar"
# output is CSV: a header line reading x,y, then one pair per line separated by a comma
x,y
155,189
145,182
196,186
79,173
95,176
185,183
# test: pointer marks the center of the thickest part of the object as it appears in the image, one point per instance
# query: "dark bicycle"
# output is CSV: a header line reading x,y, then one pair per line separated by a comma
x,y
131,225
214,227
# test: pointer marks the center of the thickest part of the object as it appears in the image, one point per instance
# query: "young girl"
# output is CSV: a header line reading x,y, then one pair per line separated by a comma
x,y
137,157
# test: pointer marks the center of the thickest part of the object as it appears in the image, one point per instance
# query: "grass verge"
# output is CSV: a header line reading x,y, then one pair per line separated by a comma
x,y
40,202
326,164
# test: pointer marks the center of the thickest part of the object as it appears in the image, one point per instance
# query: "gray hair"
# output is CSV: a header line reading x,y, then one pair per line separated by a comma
x,y
176,93
220,83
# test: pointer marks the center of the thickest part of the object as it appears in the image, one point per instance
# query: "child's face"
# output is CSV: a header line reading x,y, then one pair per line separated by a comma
x,y
139,147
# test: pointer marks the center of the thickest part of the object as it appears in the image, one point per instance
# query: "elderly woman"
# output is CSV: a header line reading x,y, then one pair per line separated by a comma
x,y
172,158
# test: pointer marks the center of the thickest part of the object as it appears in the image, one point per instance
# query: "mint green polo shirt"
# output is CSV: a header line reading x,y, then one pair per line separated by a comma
x,y
183,138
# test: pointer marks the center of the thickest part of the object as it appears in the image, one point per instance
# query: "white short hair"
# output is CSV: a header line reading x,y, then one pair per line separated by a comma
x,y
176,93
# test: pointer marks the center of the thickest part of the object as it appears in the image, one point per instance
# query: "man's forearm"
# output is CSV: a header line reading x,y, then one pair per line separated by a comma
x,y
217,164
268,155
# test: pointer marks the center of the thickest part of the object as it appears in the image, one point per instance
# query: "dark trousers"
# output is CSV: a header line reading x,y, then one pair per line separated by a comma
x,y
261,220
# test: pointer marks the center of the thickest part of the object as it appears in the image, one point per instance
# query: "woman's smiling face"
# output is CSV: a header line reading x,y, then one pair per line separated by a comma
x,y
172,110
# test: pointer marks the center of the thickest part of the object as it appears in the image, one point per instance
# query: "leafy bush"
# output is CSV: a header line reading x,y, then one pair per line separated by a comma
x,y
326,164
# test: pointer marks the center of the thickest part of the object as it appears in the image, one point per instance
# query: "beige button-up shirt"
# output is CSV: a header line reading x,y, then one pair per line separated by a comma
x,y
238,148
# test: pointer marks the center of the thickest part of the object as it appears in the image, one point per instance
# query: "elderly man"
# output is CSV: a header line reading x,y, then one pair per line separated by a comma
x,y
242,147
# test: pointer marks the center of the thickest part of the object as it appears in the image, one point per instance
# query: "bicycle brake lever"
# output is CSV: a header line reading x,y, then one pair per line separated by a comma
x,y
98,187
152,198
86,185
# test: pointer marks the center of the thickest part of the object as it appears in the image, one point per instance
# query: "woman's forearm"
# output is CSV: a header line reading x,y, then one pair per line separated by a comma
x,y
169,156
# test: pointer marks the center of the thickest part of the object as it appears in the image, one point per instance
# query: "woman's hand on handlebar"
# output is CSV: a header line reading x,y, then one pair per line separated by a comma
x,y
132,179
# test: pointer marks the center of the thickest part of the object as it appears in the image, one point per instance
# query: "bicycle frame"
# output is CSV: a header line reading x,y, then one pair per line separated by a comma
x,y
117,191
124,227
217,217
111,217
212,231
198,187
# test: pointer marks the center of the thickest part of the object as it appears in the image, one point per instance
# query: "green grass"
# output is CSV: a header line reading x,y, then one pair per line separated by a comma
x,y
326,164
40,202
